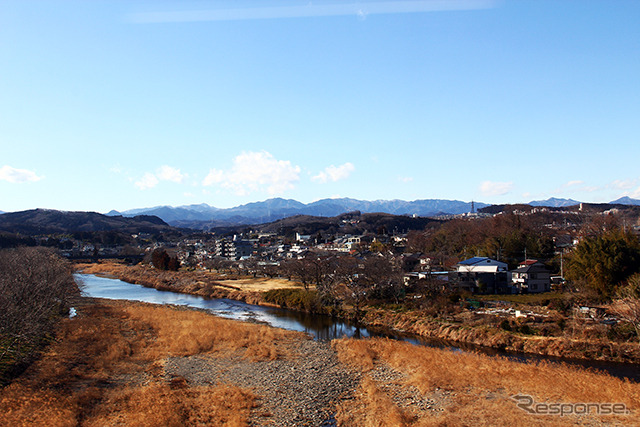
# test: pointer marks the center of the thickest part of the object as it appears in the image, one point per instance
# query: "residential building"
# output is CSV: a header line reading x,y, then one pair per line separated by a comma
x,y
532,276
481,275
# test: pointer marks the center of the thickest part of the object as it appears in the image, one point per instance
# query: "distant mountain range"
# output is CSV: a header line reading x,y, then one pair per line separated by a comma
x,y
275,209
554,202
560,203
206,216
47,221
626,201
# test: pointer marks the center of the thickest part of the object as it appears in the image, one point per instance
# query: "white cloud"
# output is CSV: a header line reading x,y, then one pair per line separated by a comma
x,y
147,181
214,177
334,173
574,183
405,179
163,173
167,173
490,188
17,176
255,171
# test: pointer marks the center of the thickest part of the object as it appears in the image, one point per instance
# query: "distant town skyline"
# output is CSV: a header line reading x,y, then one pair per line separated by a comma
x,y
123,105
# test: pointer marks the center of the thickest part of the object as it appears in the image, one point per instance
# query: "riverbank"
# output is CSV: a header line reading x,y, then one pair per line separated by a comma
x,y
488,336
253,291
128,363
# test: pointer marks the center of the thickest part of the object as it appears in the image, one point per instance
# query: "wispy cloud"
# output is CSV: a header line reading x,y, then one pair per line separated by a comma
x,y
490,188
405,179
167,173
147,181
334,173
17,176
579,186
255,171
163,173
624,184
315,9
574,186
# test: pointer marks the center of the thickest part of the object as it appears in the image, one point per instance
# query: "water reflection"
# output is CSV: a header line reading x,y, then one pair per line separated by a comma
x,y
322,328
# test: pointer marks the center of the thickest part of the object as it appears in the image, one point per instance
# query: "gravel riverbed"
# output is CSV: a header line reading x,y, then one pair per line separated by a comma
x,y
293,391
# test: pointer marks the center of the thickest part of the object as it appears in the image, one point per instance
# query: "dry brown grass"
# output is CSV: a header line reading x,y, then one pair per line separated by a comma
x,y
187,332
479,387
106,368
371,407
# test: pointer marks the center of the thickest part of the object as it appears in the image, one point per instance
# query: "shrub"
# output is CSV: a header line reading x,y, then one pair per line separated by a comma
x,y
298,299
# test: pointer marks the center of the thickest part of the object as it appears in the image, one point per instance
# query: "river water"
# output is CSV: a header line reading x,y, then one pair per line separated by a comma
x,y
320,327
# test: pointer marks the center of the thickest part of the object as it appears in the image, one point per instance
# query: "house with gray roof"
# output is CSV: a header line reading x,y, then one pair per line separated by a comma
x,y
531,276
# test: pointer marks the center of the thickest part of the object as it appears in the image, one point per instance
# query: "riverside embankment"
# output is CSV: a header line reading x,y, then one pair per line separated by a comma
x,y
209,285
130,363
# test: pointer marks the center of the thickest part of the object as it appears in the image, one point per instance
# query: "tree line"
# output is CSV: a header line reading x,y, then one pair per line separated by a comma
x,y
36,290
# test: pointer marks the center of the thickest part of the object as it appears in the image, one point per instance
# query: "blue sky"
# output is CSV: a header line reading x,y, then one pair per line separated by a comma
x,y
125,104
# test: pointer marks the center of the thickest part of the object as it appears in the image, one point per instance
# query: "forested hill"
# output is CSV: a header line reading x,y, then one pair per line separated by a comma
x,y
46,221
350,223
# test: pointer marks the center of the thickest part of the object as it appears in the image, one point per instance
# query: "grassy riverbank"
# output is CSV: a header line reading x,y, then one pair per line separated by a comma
x,y
106,368
490,336
409,385
588,343
125,363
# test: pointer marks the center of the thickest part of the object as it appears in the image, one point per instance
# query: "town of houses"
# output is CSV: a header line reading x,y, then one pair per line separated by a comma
x,y
254,251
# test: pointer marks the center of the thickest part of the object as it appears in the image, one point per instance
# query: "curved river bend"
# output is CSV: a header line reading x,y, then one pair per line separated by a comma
x,y
320,327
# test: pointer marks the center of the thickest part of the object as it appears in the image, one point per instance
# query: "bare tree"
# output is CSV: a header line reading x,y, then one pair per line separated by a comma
x,y
364,278
36,287
626,305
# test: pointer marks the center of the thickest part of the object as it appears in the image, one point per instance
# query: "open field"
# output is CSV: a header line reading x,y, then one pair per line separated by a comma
x,y
123,363
259,284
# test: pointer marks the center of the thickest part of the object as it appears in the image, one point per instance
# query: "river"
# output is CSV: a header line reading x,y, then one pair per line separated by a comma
x,y
320,327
